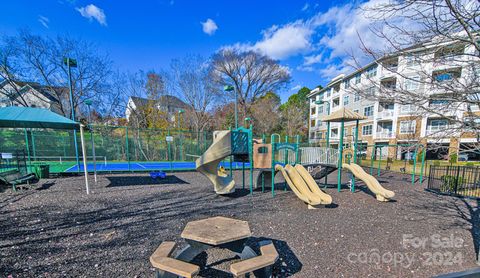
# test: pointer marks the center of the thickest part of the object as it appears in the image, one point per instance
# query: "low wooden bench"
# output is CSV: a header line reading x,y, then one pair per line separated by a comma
x,y
268,257
161,260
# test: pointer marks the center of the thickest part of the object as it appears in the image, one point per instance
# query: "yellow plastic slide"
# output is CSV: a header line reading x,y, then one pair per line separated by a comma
x,y
300,187
372,183
207,164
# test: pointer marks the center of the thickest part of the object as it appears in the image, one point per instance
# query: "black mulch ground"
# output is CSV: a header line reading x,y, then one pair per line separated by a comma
x,y
55,230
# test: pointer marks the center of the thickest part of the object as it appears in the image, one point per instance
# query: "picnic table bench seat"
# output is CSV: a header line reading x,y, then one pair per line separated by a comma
x,y
268,257
14,177
161,259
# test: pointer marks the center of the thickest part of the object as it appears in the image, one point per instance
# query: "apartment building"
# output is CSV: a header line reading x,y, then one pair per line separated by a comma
x,y
390,122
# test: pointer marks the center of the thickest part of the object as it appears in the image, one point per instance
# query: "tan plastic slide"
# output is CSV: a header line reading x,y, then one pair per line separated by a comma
x,y
207,164
300,187
312,185
372,183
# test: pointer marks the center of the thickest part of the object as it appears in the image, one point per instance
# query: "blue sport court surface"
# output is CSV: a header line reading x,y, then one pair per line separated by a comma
x,y
147,166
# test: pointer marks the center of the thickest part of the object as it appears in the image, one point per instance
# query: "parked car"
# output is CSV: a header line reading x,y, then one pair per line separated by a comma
x,y
463,157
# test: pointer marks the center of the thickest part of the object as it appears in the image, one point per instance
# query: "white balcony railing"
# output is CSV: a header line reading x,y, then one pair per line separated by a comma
x,y
384,114
385,134
439,131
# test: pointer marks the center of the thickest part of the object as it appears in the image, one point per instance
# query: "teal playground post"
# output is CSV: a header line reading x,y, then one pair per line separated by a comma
x,y
414,164
340,156
423,165
274,149
355,150
372,156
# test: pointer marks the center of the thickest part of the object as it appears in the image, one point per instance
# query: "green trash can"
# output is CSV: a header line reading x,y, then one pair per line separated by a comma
x,y
44,171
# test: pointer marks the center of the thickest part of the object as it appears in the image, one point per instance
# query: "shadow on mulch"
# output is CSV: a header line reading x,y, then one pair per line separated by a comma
x,y
286,265
457,207
116,181
238,193
45,186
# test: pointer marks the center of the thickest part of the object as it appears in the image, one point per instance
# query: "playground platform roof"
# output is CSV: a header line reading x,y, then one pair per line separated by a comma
x,y
29,117
343,114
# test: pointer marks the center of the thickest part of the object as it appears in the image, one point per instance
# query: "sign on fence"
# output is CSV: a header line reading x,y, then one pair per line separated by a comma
x,y
7,155
169,138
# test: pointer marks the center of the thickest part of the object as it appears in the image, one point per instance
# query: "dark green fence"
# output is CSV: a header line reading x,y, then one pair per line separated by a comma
x,y
112,144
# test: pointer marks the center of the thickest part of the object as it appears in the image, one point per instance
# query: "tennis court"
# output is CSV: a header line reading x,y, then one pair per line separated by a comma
x,y
146,166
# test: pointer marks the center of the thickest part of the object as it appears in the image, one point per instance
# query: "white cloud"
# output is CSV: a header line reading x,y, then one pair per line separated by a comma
x,y
313,59
286,41
332,37
281,42
44,21
209,27
93,12
305,7
296,88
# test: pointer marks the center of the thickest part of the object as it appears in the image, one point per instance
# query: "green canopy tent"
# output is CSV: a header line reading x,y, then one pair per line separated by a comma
x,y
29,117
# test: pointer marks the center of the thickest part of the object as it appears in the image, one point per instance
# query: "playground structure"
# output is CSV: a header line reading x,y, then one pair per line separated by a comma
x,y
289,159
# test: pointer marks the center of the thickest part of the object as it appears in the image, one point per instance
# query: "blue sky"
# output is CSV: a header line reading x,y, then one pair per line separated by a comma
x,y
314,39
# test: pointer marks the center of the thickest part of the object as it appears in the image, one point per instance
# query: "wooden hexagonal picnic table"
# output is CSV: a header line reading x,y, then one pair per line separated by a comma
x,y
216,232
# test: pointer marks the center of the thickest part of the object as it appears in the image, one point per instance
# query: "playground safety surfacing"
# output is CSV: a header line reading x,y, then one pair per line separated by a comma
x,y
55,229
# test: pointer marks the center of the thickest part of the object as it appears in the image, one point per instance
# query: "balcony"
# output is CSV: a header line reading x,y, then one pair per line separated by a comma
x,y
385,114
439,131
385,134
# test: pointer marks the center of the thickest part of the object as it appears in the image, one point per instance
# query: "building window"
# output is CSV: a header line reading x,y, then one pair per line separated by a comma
x,y
438,102
367,130
370,91
371,71
472,123
450,52
447,76
312,135
320,109
312,123
407,127
413,59
334,133
356,97
437,125
355,110
346,83
346,100
313,111
412,83
358,78
368,111
319,135
328,93
407,108
336,102
345,132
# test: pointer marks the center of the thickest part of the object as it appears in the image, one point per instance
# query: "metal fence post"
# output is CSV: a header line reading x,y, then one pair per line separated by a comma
x,y
126,147
456,179
28,150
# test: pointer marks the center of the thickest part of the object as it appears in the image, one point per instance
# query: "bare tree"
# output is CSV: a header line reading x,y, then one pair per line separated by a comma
x,y
432,55
191,81
29,57
250,73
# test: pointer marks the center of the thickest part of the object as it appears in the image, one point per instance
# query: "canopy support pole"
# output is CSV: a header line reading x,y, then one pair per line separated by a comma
x,y
93,154
84,154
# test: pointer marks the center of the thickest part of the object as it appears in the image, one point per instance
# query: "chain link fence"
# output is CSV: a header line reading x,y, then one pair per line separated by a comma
x,y
112,145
